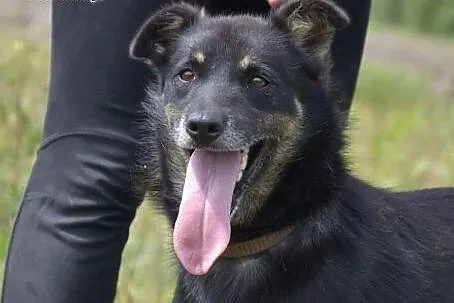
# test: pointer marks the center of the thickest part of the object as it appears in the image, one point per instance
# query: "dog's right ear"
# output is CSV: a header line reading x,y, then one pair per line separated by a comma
x,y
153,39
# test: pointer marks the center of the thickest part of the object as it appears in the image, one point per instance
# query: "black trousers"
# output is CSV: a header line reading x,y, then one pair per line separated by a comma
x,y
77,208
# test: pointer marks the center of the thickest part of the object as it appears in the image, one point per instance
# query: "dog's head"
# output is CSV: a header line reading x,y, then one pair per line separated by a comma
x,y
238,97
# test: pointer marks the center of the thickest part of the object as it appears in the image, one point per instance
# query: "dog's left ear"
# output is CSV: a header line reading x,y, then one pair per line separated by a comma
x,y
311,23
153,39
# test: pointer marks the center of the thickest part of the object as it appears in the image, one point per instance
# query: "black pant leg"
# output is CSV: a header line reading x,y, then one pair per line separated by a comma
x,y
78,205
348,47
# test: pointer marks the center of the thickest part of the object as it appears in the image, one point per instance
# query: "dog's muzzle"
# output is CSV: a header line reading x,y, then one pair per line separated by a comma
x,y
205,127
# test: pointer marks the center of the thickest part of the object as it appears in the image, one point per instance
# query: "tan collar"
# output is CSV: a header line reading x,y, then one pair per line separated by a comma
x,y
256,245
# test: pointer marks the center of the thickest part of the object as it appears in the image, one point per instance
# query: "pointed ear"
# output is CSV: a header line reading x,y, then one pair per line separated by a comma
x,y
311,23
153,39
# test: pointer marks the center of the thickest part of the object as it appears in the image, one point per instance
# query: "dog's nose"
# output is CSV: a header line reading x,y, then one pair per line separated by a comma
x,y
205,129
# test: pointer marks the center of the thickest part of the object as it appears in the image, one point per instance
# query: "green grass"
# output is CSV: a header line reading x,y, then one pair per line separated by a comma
x,y
402,134
23,87
423,16
401,137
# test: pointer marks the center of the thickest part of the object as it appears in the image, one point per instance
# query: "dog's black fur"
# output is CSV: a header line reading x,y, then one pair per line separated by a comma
x,y
353,242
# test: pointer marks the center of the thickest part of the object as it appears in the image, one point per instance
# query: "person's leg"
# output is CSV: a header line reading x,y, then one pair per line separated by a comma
x,y
348,48
236,6
77,208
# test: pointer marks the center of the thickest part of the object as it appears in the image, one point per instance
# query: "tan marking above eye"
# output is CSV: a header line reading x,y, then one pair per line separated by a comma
x,y
246,62
199,57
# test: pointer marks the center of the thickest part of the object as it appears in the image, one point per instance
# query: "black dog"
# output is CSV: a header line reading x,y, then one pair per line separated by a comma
x,y
244,152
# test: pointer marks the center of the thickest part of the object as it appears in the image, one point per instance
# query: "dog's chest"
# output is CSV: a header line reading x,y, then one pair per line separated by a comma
x,y
232,281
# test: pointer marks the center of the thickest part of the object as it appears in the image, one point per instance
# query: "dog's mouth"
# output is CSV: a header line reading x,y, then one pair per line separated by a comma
x,y
212,193
251,162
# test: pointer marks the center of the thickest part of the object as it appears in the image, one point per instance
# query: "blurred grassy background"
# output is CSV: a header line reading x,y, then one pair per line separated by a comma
x,y
425,16
401,134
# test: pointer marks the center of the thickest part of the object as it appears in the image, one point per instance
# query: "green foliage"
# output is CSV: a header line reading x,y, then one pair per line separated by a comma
x,y
401,137
389,11
444,23
400,131
148,273
23,87
426,16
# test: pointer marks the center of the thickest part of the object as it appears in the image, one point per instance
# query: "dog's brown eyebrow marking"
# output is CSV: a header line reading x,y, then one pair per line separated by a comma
x,y
199,57
246,62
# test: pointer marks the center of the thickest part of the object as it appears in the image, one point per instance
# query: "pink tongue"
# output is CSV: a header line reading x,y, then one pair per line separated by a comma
x,y
202,229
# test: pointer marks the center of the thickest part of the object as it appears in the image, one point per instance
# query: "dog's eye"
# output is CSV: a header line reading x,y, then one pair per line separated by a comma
x,y
186,75
258,82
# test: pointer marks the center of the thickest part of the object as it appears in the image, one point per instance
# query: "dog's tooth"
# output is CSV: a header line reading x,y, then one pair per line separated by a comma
x,y
240,175
244,161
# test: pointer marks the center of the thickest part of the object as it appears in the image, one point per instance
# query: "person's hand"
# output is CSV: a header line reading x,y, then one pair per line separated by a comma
x,y
275,3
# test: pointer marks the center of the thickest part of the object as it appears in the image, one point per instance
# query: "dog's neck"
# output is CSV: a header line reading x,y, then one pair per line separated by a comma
x,y
316,193
256,245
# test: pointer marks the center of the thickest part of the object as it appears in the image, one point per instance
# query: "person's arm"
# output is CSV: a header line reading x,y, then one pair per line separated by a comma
x,y
76,211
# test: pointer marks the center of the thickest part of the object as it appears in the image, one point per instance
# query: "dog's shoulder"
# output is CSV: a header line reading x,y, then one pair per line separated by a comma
x,y
419,220
409,233
429,204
